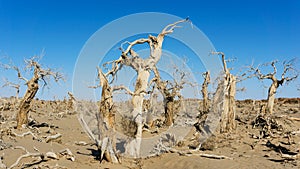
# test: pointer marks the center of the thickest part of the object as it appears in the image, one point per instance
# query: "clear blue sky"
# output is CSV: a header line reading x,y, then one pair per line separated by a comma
x,y
250,30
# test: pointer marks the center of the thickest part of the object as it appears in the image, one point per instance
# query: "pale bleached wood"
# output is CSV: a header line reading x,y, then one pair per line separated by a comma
x,y
228,83
288,67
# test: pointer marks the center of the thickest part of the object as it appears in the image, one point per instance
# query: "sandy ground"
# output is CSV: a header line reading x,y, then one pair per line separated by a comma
x,y
243,147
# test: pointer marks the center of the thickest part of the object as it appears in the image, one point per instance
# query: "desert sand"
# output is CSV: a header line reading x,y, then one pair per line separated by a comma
x,y
246,147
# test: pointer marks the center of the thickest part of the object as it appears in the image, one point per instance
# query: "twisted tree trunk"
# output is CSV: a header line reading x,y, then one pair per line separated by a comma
x,y
22,116
32,88
106,122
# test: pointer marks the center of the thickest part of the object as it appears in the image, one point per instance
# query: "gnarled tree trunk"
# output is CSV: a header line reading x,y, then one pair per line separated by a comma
x,y
106,121
133,146
22,116
228,115
32,87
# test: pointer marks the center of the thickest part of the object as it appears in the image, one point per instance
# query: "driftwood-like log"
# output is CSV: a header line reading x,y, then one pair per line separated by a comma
x,y
214,156
289,157
53,137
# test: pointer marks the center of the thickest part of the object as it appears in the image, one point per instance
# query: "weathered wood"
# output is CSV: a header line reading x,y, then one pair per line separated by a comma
x,y
32,87
106,121
143,67
169,94
204,91
228,83
288,67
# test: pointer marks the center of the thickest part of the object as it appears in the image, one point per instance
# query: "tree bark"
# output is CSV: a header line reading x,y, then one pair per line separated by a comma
x,y
227,123
71,103
22,116
205,84
106,122
228,115
271,97
133,146
169,111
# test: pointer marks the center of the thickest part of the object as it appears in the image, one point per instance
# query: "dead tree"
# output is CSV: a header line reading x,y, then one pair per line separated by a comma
x,y
204,92
228,83
32,86
169,91
106,121
288,68
71,103
143,67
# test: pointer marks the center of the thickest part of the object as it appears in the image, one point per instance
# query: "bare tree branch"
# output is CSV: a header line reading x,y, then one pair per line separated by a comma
x,y
122,87
170,28
223,60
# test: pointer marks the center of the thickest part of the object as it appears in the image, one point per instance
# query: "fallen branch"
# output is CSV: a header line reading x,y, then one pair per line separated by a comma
x,y
213,156
67,152
12,133
289,118
25,156
191,153
289,157
43,156
53,137
82,143
52,167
